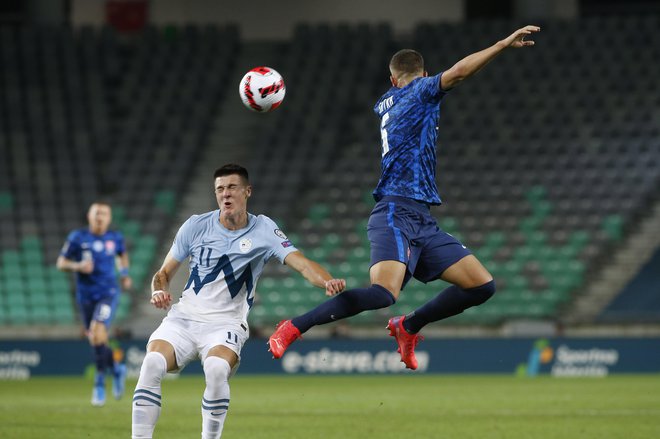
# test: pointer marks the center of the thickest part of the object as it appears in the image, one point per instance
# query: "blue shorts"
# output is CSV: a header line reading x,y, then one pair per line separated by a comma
x,y
401,229
102,310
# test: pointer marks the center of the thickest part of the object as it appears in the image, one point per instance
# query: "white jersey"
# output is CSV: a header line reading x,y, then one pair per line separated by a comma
x,y
225,265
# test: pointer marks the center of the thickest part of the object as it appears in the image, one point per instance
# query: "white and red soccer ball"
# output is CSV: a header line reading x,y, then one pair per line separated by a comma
x,y
262,89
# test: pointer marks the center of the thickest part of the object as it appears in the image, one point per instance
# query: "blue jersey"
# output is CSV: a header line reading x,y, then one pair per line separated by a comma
x,y
225,265
102,249
409,123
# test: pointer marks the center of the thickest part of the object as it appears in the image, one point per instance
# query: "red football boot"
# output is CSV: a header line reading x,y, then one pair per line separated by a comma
x,y
405,340
285,334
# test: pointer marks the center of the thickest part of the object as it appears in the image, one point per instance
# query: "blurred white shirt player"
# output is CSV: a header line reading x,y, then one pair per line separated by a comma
x,y
228,249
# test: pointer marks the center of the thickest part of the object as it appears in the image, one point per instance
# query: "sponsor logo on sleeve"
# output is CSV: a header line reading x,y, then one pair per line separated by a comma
x,y
286,243
280,233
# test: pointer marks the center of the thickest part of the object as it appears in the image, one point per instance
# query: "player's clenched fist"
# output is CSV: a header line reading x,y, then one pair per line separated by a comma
x,y
334,286
161,299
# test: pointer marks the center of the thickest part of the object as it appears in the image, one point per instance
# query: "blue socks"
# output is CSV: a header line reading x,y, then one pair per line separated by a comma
x,y
449,302
346,304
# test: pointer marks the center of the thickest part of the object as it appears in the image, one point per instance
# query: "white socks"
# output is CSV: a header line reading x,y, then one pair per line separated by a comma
x,y
215,402
147,396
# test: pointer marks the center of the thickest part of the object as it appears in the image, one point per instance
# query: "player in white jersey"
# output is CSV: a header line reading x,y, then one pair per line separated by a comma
x,y
227,250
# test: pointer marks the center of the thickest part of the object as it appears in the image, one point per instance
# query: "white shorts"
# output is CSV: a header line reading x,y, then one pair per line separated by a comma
x,y
192,340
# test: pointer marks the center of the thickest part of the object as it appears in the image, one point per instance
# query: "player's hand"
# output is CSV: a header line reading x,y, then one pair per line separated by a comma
x,y
334,286
161,299
518,38
86,266
126,283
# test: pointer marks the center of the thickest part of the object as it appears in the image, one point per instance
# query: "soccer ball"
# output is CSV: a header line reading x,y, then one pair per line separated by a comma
x,y
262,89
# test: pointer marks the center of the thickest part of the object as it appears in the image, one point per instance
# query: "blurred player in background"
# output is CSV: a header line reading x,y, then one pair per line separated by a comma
x,y
92,254
227,250
405,239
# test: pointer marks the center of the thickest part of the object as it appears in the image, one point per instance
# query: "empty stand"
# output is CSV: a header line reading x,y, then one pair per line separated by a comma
x,y
547,158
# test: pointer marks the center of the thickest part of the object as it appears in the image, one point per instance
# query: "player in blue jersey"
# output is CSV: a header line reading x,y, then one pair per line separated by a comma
x,y
227,250
405,239
93,254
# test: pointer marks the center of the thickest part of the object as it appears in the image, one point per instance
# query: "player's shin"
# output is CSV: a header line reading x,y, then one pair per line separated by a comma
x,y
346,304
451,301
147,396
215,402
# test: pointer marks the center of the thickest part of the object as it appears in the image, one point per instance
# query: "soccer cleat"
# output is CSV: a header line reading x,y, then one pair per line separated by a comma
x,y
98,396
285,334
405,341
119,381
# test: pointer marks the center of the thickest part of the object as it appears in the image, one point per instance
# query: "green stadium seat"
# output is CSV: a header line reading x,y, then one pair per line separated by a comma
x,y
124,307
63,313
41,313
613,227
535,194
166,201
358,255
18,316
131,231
6,202
318,212
15,287
541,209
319,254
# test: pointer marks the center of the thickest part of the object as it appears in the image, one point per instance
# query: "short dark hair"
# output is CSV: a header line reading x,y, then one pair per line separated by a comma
x,y
230,169
407,61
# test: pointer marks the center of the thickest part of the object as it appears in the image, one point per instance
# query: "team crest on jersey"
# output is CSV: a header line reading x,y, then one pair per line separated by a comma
x,y
97,246
110,247
280,233
245,245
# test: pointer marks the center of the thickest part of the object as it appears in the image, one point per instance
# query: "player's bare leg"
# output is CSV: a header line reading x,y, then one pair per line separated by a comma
x,y
467,273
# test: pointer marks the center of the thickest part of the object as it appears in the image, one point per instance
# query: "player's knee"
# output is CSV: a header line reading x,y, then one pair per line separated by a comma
x,y
385,296
97,333
216,370
482,293
154,368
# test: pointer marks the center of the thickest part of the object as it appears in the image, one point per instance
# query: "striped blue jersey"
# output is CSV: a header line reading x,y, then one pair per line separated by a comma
x,y
102,250
225,265
408,125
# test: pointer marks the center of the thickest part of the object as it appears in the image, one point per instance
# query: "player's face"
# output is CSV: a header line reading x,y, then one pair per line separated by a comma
x,y
99,217
232,193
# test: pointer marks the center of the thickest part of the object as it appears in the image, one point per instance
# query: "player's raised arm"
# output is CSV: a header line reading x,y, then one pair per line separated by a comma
x,y
314,273
160,284
471,64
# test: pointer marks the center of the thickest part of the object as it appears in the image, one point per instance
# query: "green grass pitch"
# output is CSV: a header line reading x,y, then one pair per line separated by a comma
x,y
347,407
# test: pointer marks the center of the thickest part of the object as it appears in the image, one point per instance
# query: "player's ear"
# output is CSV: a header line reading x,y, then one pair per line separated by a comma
x,y
393,80
426,73
248,191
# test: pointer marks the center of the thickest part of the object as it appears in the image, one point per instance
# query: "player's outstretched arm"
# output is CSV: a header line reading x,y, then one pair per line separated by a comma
x,y
471,64
314,273
160,284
